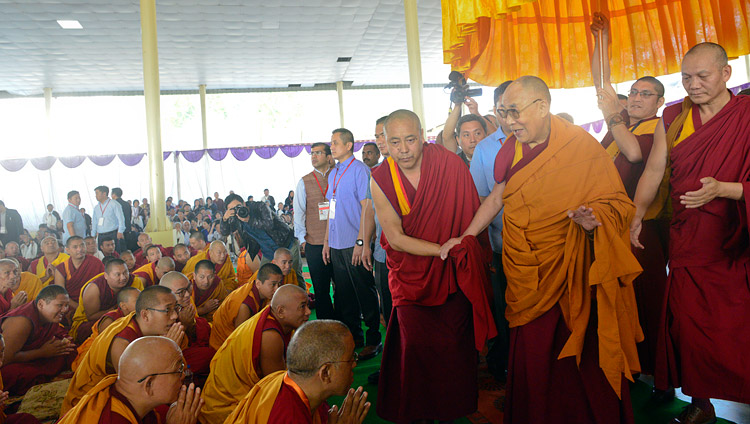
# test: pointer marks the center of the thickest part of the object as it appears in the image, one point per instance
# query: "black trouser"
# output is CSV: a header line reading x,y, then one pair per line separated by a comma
x,y
321,275
108,235
355,292
381,280
497,356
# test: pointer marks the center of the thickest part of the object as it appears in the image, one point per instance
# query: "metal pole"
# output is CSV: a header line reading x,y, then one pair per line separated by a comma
x,y
157,224
415,59
177,174
340,92
601,60
202,90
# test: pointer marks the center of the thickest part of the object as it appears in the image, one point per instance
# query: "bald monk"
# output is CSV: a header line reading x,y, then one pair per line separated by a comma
x,y
282,257
99,296
126,299
180,254
436,202
321,362
37,346
254,350
20,418
152,373
198,242
245,302
156,312
129,259
75,271
197,353
208,289
152,272
571,306
247,265
216,253
704,145
144,241
44,266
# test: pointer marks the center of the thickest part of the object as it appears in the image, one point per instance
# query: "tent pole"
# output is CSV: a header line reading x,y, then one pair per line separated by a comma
x,y
177,174
747,66
340,92
157,224
415,59
202,90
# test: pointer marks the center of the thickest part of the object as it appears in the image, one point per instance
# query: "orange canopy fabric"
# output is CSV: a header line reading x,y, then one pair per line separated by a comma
x,y
492,41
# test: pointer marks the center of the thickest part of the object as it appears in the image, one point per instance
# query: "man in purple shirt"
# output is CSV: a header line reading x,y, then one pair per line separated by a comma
x,y
343,244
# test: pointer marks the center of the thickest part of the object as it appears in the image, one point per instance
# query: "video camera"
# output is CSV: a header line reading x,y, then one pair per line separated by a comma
x,y
460,89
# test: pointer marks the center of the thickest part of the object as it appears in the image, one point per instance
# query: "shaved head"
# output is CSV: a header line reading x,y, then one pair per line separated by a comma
x,y
714,51
282,252
217,244
146,356
403,114
314,344
173,279
534,86
286,294
128,295
217,252
166,264
289,306
525,105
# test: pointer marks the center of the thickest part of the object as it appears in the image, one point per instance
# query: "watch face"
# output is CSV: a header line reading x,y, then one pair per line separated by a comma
x,y
360,243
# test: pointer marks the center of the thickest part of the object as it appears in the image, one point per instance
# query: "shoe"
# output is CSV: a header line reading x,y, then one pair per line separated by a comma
x,y
374,378
691,414
371,351
660,397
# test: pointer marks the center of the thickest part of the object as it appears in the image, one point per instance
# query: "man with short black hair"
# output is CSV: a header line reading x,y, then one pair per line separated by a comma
x,y
73,272
370,154
461,134
108,219
73,222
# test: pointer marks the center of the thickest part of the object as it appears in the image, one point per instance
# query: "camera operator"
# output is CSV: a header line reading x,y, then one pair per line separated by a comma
x,y
462,133
258,229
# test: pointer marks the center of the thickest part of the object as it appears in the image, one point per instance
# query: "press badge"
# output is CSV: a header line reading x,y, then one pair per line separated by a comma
x,y
332,209
101,221
323,211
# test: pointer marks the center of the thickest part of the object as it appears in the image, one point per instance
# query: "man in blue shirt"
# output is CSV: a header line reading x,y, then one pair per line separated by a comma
x,y
108,220
355,286
73,222
482,171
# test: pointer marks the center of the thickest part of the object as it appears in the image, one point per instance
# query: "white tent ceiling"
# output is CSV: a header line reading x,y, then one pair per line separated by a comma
x,y
225,44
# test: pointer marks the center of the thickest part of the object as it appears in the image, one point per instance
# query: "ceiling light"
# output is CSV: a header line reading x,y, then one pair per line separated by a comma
x,y
344,59
69,24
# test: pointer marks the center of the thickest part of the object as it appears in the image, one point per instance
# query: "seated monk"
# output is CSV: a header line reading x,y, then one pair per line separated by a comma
x,y
37,346
26,287
216,253
108,248
44,266
152,373
9,278
247,265
254,350
99,296
282,257
126,299
321,361
152,272
75,271
198,242
156,312
197,353
144,241
129,259
91,248
245,302
208,289
13,251
12,418
180,254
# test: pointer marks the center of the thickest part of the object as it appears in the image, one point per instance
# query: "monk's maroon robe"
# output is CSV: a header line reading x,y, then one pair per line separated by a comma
x,y
107,301
75,278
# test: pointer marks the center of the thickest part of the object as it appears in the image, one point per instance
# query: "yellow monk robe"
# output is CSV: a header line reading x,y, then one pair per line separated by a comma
x,y
217,290
31,284
103,404
86,345
245,269
291,404
223,319
290,278
39,267
148,273
235,368
224,271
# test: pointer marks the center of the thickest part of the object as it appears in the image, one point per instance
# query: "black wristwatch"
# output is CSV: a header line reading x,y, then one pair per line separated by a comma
x,y
360,242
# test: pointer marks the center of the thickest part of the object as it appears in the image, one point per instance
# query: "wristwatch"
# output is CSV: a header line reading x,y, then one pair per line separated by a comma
x,y
360,242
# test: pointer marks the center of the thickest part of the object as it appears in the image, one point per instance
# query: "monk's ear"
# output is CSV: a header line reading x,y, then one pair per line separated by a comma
x,y
148,386
660,102
325,373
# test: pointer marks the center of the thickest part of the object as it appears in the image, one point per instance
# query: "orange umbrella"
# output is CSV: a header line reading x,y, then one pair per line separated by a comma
x,y
492,41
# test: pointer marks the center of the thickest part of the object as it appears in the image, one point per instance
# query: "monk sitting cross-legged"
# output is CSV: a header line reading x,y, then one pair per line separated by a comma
x,y
321,361
13,418
75,271
245,302
218,255
151,373
153,271
44,267
99,296
208,289
254,350
180,254
37,346
10,278
156,313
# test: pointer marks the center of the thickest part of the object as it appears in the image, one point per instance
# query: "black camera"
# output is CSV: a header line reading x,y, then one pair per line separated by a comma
x,y
460,90
241,211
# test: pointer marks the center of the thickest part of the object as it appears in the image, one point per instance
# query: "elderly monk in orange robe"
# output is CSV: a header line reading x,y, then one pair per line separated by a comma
x,y
152,372
156,313
321,362
571,306
181,254
216,253
37,346
245,302
44,266
20,418
282,257
246,266
704,145
75,271
23,286
152,272
126,299
197,353
208,289
99,296
256,349
30,284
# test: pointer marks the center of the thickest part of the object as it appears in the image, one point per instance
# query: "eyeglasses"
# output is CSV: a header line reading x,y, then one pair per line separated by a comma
x,y
645,94
183,292
177,308
514,113
185,371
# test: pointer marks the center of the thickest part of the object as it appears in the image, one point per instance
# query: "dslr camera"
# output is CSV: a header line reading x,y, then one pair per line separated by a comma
x,y
240,211
460,89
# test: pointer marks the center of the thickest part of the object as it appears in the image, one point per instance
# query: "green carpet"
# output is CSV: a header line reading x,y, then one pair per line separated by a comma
x,y
640,393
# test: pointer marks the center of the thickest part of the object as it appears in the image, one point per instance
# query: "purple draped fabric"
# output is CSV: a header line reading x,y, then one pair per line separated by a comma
x,y
358,145
266,152
72,161
241,153
102,160
218,154
44,163
292,151
586,127
166,155
192,155
131,159
13,165
597,126
308,148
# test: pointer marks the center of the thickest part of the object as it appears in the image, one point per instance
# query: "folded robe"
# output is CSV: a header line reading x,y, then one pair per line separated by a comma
x,y
223,320
75,278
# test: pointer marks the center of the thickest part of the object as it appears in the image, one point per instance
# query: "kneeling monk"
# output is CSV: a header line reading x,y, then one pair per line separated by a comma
x,y
208,289
255,349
